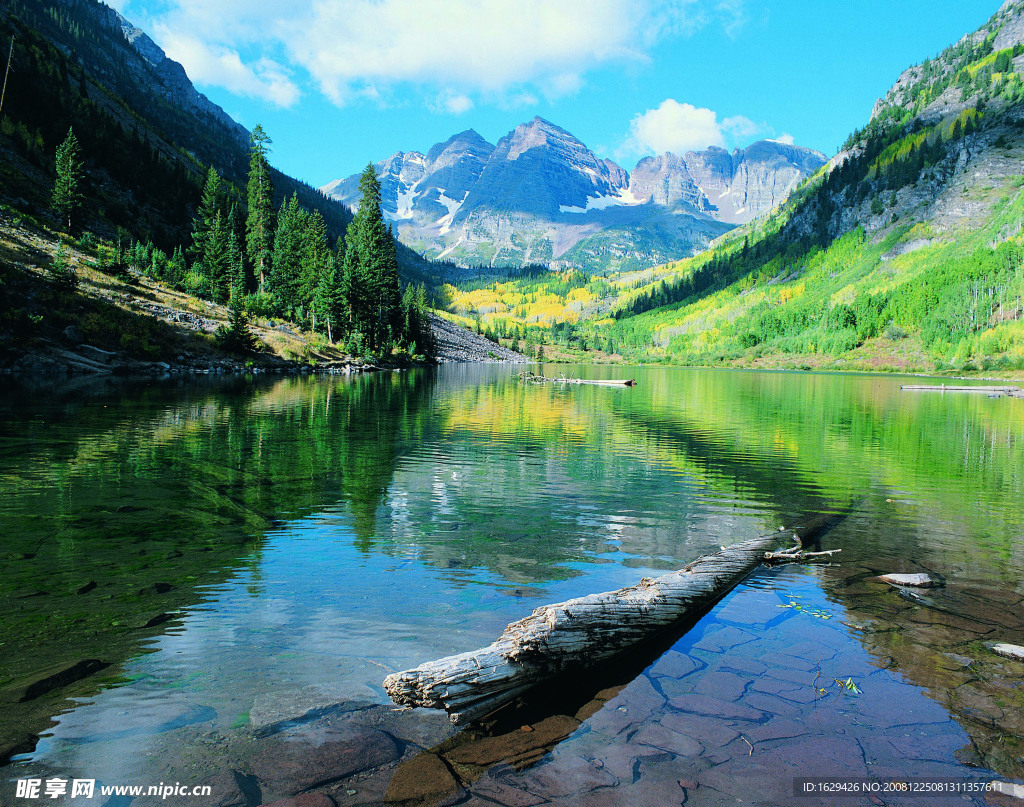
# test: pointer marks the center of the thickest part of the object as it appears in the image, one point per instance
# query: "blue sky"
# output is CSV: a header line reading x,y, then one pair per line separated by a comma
x,y
339,83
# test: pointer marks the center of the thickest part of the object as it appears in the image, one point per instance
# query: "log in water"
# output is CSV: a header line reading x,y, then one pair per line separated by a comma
x,y
575,633
996,391
530,377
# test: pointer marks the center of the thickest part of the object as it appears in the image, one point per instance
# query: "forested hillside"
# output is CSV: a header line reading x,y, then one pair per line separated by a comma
x,y
105,139
903,252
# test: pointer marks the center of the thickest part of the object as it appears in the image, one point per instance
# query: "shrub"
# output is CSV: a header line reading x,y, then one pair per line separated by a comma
x,y
261,304
61,272
894,332
236,336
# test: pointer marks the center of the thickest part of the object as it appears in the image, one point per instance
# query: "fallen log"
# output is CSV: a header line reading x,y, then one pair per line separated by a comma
x,y
529,377
997,391
604,382
575,633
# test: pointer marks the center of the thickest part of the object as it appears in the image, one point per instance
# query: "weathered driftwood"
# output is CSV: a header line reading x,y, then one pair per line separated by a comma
x,y
603,382
992,391
796,555
570,634
530,377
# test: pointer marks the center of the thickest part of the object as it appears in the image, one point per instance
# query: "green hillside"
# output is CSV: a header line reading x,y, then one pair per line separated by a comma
x,y
903,253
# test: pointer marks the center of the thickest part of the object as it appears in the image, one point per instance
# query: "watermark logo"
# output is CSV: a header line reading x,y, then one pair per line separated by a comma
x,y
86,788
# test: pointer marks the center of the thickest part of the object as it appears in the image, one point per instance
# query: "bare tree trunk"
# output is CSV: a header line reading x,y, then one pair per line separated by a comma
x,y
572,634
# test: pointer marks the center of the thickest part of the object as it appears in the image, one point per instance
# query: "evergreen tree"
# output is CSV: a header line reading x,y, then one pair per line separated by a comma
x,y
259,225
209,205
61,272
176,267
235,267
315,289
288,244
236,336
216,260
370,273
67,194
328,302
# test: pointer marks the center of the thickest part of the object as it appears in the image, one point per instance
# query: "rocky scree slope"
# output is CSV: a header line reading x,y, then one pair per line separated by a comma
x,y
541,196
453,343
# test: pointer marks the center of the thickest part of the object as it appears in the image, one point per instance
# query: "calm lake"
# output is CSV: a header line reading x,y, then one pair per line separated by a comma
x,y
248,559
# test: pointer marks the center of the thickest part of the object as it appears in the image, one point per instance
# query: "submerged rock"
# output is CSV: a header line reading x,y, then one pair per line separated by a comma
x,y
305,800
920,580
289,765
273,710
49,680
518,748
422,779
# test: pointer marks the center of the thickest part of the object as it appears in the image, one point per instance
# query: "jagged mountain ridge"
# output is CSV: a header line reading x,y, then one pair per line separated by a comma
x,y
540,195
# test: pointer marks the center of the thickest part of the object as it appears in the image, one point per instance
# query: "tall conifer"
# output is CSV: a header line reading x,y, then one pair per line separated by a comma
x,y
67,193
210,204
259,225
370,273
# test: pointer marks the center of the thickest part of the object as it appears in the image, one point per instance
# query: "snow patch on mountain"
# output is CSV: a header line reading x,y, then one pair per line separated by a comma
x,y
623,197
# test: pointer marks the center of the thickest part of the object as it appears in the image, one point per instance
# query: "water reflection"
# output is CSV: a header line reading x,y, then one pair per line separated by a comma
x,y
263,538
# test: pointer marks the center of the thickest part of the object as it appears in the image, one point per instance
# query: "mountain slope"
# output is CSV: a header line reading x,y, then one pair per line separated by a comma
x,y
146,134
904,252
541,196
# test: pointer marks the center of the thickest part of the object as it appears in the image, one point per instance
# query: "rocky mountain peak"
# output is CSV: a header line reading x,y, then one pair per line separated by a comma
x,y
467,142
537,133
540,192
172,83
960,77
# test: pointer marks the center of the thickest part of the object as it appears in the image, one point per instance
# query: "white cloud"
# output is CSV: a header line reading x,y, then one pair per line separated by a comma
x,y
468,48
223,67
451,102
740,128
476,45
676,127
786,138
681,127
733,15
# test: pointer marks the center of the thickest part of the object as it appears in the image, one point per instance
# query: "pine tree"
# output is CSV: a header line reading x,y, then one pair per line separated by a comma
x,y
67,195
328,304
210,204
259,225
61,272
216,260
424,335
236,336
370,273
287,256
235,268
316,263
